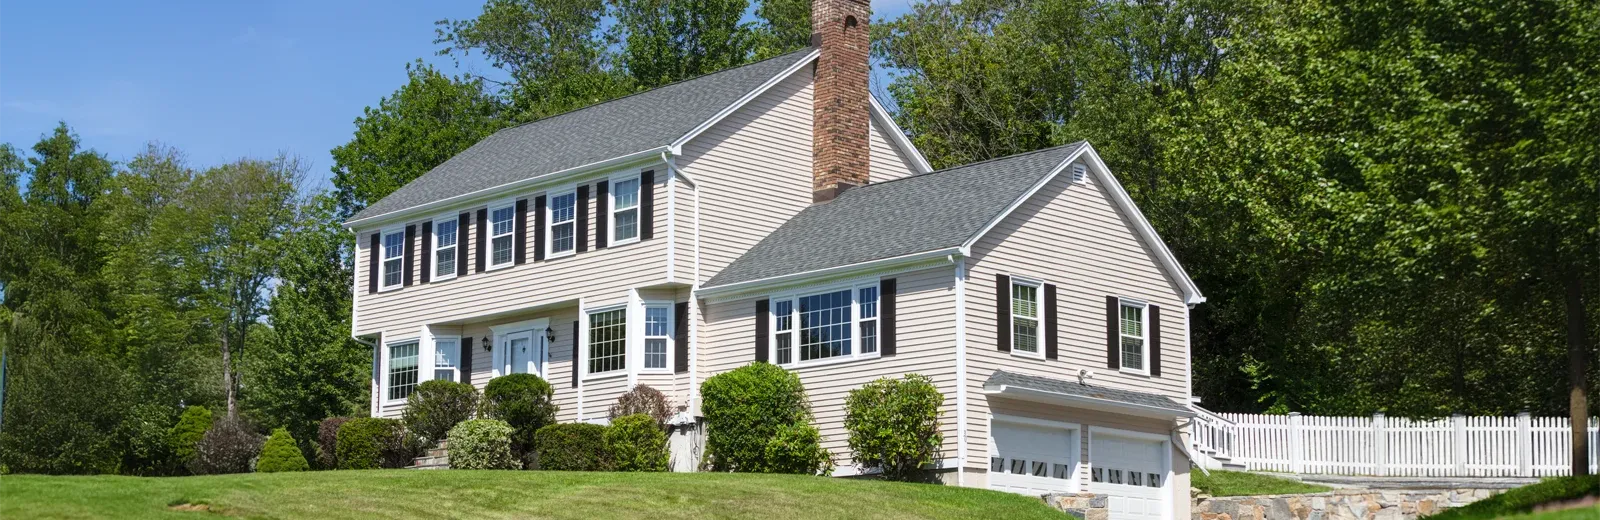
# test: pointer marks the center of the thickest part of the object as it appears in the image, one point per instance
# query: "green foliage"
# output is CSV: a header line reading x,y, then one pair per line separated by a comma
x,y
372,443
328,441
230,446
636,443
572,447
436,406
147,451
744,409
191,427
281,453
62,410
797,448
894,425
525,402
1241,483
645,400
1522,500
482,444
664,42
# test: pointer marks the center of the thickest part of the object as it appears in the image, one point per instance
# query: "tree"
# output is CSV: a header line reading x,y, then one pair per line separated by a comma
x,y
553,52
665,41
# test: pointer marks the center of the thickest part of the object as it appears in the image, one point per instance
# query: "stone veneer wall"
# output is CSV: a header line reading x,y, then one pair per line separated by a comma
x,y
1340,504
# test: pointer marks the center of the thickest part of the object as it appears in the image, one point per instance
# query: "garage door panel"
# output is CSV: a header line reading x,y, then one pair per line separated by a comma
x,y
1031,459
1131,473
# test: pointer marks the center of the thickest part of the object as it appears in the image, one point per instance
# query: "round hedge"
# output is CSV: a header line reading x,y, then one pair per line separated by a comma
x,y
191,427
636,443
228,447
744,409
280,453
371,443
572,447
797,448
481,444
436,406
525,402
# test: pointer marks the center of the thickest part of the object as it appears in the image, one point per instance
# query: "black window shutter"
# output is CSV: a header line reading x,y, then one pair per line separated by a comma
x,y
519,237
886,294
1155,340
680,340
483,236
602,221
762,331
411,252
461,242
582,238
1002,311
466,359
538,228
427,249
1113,354
1050,321
647,205
374,259
575,360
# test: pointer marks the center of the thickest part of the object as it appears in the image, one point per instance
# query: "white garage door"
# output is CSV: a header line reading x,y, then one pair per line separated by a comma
x,y
1031,459
1129,471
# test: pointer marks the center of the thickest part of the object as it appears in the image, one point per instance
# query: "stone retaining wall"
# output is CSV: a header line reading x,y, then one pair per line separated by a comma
x,y
1085,506
1341,504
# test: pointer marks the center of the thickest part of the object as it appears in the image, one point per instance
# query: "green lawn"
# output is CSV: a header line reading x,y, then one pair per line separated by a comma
x,y
1522,500
1240,483
328,495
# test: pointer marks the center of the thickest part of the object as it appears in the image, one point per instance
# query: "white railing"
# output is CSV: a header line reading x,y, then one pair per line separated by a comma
x,y
1520,446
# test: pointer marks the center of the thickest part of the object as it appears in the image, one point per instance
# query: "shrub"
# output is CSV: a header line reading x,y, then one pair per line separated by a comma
x,y
191,427
281,453
228,447
372,443
744,409
146,450
328,441
482,444
797,448
645,400
436,406
572,447
636,443
894,425
62,409
523,401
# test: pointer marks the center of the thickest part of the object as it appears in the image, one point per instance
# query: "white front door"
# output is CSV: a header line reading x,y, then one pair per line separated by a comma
x,y
524,353
1131,472
1031,459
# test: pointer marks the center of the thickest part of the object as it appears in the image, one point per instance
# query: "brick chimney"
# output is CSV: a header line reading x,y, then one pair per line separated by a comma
x,y
839,127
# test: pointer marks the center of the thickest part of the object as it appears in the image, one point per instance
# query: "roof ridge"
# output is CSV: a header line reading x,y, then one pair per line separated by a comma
x,y
964,166
806,49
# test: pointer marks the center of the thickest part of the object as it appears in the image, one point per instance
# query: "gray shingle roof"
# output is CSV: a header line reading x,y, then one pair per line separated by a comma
x,y
608,130
1002,378
906,216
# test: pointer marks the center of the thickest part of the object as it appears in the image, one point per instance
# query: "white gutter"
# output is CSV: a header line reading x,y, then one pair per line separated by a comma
x,y
1096,403
949,253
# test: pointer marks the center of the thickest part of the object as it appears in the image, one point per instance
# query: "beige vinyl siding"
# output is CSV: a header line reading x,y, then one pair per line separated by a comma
x,y
683,233
1071,235
925,334
754,170
886,162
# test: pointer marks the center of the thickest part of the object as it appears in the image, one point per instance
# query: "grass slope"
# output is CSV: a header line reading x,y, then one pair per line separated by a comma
x,y
1523,499
327,495
1240,483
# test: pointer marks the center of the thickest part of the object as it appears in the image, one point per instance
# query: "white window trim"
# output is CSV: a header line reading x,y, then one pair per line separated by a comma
x,y
794,327
433,251
1038,304
611,209
384,368
583,360
434,367
383,260
1144,323
488,248
672,334
550,221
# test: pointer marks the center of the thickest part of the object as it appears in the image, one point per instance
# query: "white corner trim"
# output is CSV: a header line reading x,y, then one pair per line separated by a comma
x,y
961,370
897,137
355,285
676,147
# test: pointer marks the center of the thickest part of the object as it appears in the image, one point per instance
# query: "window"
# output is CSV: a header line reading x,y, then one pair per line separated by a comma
x,y
625,209
784,329
997,464
446,353
1025,318
1116,476
825,325
394,249
563,218
444,248
501,241
1134,478
1097,475
608,341
402,370
868,300
1154,480
838,324
657,332
1133,336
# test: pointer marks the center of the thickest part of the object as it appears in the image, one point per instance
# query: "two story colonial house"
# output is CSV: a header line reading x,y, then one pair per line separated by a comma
x,y
775,213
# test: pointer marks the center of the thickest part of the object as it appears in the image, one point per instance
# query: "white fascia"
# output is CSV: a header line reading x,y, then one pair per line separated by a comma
x,y
948,254
677,146
897,137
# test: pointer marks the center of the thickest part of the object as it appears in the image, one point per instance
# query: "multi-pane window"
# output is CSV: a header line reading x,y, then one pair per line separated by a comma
x,y
563,223
503,224
608,341
1024,317
446,353
842,323
783,327
402,370
444,248
868,301
1133,336
394,247
657,332
625,209
824,325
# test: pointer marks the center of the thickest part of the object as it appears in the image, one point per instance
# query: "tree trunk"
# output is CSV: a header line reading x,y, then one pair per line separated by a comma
x,y
1577,372
227,379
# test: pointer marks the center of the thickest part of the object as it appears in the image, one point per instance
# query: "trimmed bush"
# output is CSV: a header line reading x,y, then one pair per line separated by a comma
x,y
894,425
328,441
436,406
744,409
572,447
797,448
281,453
525,402
636,443
645,400
482,444
230,446
191,427
372,443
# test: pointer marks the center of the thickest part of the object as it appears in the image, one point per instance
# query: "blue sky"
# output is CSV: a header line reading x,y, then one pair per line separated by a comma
x,y
217,80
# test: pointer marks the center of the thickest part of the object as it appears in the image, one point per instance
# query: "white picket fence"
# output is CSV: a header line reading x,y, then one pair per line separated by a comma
x,y
1520,446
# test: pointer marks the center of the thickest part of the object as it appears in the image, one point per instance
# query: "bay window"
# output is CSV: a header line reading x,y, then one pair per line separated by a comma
x,y
839,324
446,364
657,333
608,341
402,373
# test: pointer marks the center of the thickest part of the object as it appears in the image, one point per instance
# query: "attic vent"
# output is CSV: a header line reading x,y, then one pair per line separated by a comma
x,y
1080,173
